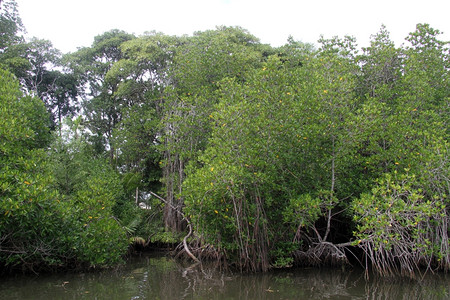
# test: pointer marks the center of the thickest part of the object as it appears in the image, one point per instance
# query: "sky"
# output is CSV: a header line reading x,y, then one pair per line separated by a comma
x,y
70,24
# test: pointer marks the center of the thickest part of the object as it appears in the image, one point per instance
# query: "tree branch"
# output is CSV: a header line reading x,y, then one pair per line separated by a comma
x,y
186,248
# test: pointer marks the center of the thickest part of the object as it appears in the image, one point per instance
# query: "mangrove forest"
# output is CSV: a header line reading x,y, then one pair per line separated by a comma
x,y
223,148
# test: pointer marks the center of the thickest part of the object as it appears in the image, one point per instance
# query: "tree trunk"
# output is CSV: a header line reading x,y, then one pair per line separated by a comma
x,y
173,220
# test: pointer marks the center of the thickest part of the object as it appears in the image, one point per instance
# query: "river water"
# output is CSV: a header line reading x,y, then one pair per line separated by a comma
x,y
155,276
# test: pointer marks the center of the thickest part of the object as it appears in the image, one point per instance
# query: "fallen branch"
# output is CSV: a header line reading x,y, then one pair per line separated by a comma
x,y
189,225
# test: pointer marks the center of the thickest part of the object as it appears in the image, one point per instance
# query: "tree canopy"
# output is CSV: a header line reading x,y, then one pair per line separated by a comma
x,y
260,157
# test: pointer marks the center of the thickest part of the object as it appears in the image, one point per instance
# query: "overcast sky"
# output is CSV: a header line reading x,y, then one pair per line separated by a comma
x,y
70,24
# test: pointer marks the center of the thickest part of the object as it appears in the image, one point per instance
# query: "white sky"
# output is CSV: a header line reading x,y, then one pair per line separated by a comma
x,y
70,24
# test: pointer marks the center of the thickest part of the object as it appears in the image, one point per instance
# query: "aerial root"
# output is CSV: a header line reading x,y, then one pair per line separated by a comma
x,y
323,253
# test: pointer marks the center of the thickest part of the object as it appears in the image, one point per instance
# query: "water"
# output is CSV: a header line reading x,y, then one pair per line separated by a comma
x,y
154,276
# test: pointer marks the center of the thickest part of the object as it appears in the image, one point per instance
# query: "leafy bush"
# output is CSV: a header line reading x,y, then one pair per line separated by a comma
x,y
401,227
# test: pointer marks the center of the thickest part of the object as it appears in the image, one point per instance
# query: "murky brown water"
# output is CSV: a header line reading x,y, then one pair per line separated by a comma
x,y
154,276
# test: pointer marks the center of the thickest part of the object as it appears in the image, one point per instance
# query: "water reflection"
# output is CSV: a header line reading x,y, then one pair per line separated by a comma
x,y
159,277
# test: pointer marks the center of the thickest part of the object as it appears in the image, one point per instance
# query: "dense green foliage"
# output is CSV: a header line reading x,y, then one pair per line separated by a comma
x,y
270,156
340,137
51,219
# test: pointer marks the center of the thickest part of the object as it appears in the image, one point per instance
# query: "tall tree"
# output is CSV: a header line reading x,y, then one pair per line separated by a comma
x,y
142,76
102,107
199,64
12,43
10,24
48,79
37,65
